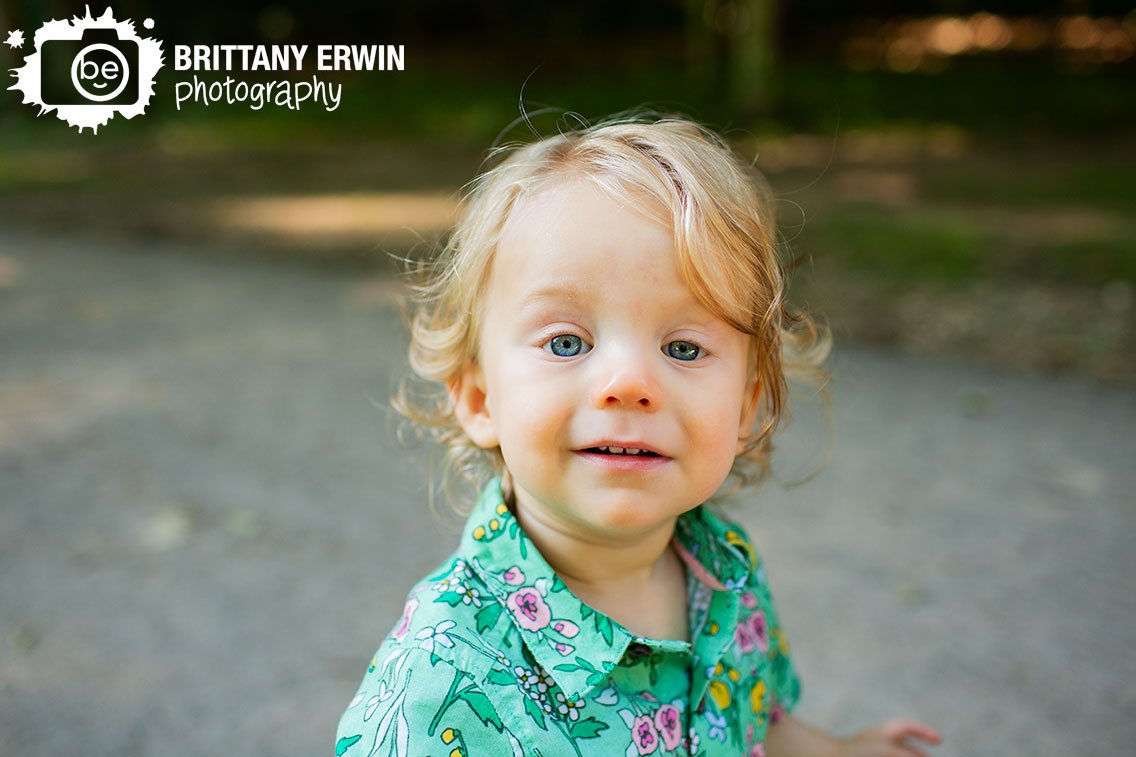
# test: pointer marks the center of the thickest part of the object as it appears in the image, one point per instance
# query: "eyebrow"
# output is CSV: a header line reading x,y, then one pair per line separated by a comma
x,y
555,293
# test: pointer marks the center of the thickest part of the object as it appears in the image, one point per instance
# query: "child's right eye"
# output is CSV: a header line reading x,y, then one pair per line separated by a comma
x,y
567,345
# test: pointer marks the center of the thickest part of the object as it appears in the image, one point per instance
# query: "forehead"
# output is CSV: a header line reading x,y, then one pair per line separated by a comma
x,y
575,247
564,199
575,234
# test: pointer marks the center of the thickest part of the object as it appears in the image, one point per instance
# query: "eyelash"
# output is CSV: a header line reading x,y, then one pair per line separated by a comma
x,y
579,344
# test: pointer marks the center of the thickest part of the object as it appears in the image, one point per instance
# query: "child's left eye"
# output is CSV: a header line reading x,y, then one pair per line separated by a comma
x,y
683,350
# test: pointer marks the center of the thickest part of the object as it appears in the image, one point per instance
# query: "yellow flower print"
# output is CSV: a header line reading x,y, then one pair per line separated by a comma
x,y
712,629
757,696
481,533
448,737
737,540
721,694
779,641
733,675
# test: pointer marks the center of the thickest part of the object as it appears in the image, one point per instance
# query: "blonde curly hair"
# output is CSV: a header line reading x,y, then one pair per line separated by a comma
x,y
721,211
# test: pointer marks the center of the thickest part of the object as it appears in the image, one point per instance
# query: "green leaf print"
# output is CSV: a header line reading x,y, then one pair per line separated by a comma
x,y
452,598
534,712
346,743
581,664
588,729
603,623
604,626
595,679
482,708
501,677
451,696
487,616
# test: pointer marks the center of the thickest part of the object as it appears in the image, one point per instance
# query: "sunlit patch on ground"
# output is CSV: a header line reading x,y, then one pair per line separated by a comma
x,y
337,217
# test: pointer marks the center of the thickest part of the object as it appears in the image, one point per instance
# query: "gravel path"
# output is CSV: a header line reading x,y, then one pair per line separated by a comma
x,y
207,522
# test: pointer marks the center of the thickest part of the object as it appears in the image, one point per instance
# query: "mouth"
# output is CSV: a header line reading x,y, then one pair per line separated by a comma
x,y
619,456
612,449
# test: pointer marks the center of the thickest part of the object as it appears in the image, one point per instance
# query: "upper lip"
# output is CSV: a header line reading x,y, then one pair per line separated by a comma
x,y
643,446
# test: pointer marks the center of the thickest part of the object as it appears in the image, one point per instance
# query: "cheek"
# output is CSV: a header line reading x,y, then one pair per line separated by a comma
x,y
718,432
529,406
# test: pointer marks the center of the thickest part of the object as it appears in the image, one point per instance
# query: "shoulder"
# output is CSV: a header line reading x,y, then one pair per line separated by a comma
x,y
424,691
414,702
451,616
737,539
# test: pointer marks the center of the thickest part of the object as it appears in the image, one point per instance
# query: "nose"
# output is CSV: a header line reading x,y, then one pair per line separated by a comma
x,y
626,382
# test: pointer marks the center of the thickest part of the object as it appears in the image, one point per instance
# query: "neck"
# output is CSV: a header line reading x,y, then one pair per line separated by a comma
x,y
592,564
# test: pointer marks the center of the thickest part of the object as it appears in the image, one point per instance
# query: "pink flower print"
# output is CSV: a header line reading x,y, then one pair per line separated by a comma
x,y
757,750
669,723
749,600
564,649
776,713
567,628
513,576
744,637
644,735
529,608
758,630
407,615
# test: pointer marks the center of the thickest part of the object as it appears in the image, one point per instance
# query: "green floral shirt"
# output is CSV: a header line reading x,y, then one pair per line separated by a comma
x,y
495,656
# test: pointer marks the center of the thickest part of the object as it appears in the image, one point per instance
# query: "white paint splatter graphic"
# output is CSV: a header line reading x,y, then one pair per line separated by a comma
x,y
109,65
15,39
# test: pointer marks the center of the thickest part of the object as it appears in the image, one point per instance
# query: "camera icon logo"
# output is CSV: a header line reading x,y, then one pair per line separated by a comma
x,y
87,70
98,68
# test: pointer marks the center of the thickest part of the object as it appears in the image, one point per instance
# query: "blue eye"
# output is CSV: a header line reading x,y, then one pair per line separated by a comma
x,y
681,350
566,345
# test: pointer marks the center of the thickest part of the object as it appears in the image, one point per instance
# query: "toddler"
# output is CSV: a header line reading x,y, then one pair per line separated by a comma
x,y
608,334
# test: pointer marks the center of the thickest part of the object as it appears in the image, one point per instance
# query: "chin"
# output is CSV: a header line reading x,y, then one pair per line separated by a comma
x,y
623,514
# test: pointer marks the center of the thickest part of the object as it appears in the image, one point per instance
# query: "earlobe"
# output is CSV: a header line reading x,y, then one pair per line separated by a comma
x,y
471,407
750,404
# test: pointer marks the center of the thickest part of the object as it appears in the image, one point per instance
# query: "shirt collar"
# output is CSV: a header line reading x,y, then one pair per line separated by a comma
x,y
577,645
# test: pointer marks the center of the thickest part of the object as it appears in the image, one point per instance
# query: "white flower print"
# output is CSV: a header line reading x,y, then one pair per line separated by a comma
x,y
432,637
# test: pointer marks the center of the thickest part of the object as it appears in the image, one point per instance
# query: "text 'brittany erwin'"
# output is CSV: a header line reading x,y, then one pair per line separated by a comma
x,y
288,57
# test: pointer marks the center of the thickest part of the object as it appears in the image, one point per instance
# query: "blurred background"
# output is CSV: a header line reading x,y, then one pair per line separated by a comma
x,y
208,519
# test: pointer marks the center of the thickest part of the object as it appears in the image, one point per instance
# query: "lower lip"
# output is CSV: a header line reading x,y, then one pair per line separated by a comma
x,y
623,462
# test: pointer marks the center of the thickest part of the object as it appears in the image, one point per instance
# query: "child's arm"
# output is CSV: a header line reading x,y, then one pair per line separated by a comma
x,y
789,737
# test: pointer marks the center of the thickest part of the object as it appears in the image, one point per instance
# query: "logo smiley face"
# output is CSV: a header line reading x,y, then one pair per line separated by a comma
x,y
100,72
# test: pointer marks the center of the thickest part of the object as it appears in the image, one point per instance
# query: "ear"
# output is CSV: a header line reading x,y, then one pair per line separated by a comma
x,y
468,394
751,401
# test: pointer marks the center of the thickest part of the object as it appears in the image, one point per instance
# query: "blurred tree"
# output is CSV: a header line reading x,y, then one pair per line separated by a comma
x,y
754,57
732,53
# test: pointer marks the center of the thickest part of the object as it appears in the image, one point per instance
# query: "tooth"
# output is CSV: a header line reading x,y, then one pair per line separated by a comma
x,y
632,451
616,450
602,449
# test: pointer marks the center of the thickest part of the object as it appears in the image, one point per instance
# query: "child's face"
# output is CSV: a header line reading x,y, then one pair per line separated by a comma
x,y
590,338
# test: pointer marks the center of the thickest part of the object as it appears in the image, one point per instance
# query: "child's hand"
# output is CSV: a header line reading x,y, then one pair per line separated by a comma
x,y
890,740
